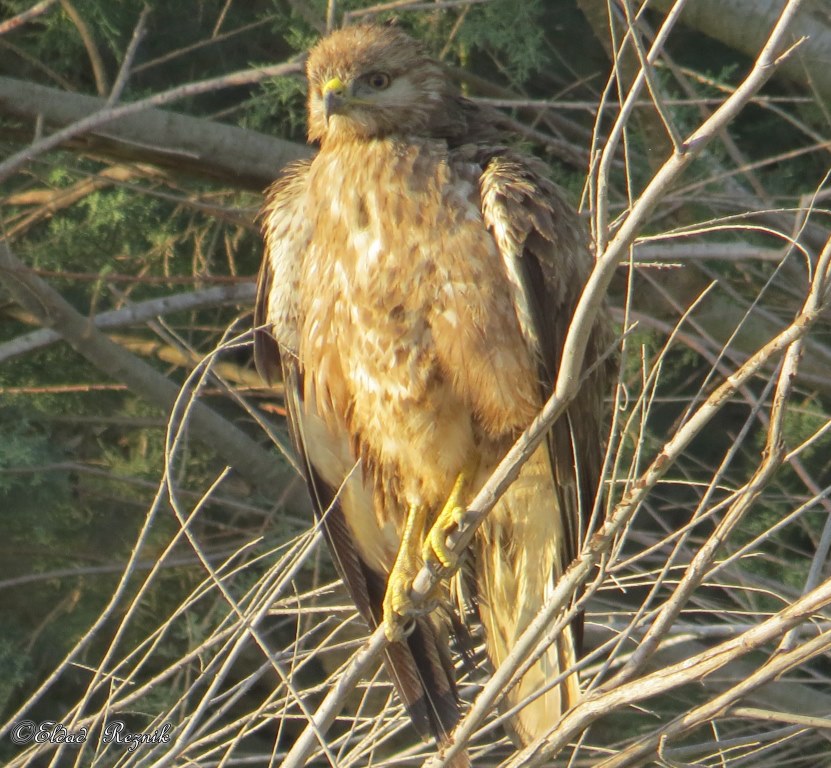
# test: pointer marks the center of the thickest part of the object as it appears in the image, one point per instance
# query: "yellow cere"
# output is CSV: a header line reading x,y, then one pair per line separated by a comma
x,y
334,85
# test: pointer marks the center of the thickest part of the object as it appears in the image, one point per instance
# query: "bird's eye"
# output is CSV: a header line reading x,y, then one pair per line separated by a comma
x,y
378,80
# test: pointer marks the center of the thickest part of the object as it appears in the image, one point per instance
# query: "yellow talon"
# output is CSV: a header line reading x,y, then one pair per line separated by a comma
x,y
435,550
415,548
398,604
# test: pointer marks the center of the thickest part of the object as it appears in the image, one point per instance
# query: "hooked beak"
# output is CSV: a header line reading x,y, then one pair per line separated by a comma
x,y
336,96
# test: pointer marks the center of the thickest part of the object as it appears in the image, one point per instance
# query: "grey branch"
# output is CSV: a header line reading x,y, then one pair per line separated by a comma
x,y
217,296
190,144
744,25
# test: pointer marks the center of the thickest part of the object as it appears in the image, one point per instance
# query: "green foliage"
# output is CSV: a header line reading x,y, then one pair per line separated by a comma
x,y
279,108
15,667
512,33
24,488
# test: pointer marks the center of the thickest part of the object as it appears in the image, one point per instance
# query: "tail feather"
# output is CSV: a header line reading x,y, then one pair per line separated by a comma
x,y
421,670
519,561
424,682
428,687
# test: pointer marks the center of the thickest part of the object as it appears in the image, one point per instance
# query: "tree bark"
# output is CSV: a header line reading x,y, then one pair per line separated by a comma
x,y
193,145
745,24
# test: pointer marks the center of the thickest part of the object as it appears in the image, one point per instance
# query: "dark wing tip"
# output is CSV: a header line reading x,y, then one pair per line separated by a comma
x,y
266,349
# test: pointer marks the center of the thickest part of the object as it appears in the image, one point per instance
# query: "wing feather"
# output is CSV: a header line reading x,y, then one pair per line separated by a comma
x,y
266,349
547,262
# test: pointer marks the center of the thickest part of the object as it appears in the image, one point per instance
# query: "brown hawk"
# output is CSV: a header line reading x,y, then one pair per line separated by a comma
x,y
416,289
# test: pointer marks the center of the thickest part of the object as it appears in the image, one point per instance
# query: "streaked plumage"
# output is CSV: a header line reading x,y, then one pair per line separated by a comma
x,y
416,289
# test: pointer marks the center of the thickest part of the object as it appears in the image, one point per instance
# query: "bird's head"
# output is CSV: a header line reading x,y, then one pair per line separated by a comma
x,y
366,82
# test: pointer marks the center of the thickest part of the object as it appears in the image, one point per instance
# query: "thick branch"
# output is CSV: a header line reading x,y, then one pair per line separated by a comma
x,y
187,144
744,24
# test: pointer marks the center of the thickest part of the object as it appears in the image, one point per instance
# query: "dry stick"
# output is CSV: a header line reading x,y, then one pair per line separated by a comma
x,y
99,675
54,200
213,40
74,716
108,114
90,722
127,63
782,717
285,570
221,18
591,106
184,409
697,667
773,457
645,614
705,347
607,156
108,611
363,661
644,749
15,21
658,100
408,5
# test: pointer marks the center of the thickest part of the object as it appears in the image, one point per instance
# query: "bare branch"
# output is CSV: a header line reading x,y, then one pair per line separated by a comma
x,y
16,21
221,295
129,56
12,97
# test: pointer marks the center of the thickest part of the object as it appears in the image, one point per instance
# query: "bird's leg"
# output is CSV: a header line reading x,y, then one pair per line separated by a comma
x,y
435,552
398,603
431,549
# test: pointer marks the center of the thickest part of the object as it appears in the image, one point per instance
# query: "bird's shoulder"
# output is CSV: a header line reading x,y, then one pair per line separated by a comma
x,y
285,231
284,196
530,216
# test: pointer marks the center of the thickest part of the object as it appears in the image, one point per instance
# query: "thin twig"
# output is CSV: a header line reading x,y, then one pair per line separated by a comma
x,y
408,5
21,18
129,55
222,295
99,71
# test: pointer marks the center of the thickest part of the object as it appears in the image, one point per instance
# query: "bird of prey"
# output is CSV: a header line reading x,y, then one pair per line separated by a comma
x,y
417,286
